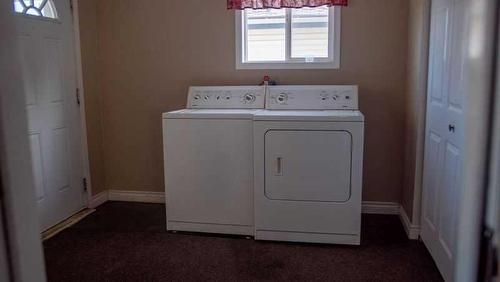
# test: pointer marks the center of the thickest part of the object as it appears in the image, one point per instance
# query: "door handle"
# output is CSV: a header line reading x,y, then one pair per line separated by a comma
x,y
451,128
279,166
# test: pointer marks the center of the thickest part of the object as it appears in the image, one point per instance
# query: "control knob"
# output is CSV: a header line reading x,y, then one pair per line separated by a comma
x,y
249,98
281,98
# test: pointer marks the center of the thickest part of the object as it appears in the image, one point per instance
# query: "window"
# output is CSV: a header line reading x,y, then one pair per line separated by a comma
x,y
37,8
288,38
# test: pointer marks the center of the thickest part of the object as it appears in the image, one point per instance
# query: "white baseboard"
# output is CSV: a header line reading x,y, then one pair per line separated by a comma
x,y
136,196
412,230
67,223
368,207
98,199
372,207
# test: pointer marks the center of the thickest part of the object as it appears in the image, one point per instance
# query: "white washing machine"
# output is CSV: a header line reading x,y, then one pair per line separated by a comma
x,y
208,155
308,158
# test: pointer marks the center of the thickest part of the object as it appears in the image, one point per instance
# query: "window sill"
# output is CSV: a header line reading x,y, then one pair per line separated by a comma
x,y
286,66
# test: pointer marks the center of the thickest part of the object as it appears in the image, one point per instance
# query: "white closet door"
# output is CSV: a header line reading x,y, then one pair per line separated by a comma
x,y
48,64
444,133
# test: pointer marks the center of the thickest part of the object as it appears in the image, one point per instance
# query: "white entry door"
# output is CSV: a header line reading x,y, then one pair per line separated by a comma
x,y
444,133
45,32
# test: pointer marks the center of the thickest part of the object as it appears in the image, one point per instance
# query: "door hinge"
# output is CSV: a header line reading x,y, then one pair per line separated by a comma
x,y
71,6
84,182
78,96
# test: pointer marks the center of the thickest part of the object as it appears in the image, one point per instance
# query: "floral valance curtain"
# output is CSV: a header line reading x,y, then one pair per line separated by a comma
x,y
276,4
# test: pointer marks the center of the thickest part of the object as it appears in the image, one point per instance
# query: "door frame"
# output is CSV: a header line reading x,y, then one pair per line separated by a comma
x,y
80,85
490,242
423,70
5,263
20,215
481,60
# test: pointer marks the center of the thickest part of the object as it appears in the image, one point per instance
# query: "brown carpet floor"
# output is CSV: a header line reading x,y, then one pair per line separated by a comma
x,y
128,242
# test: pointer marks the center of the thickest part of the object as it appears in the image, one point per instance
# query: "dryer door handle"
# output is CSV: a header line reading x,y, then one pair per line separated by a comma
x,y
279,166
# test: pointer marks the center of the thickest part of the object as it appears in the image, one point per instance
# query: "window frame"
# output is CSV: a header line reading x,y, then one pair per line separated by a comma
x,y
332,62
42,17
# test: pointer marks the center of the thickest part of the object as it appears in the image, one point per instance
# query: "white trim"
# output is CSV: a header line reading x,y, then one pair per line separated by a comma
x,y
285,66
65,224
136,196
421,111
83,120
372,207
98,199
412,230
368,207
333,48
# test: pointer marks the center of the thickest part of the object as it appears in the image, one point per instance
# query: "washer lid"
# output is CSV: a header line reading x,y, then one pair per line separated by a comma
x,y
211,114
309,115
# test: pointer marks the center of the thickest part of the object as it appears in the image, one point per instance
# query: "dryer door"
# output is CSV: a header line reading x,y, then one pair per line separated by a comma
x,y
303,165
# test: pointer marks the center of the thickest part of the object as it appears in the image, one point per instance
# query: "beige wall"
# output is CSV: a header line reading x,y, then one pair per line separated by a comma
x,y
151,51
418,38
89,36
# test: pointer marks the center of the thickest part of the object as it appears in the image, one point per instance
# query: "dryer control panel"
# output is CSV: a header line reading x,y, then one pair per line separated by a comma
x,y
312,97
226,97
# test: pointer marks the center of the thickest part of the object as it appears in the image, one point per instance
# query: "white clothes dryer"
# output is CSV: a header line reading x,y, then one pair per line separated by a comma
x,y
308,159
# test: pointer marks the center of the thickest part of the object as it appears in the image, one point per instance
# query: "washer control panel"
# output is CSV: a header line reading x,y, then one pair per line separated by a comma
x,y
312,97
226,97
